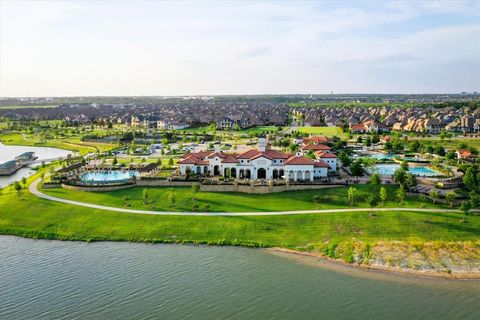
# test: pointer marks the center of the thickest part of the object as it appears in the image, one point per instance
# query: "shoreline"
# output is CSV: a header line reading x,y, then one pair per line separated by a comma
x,y
335,263
459,276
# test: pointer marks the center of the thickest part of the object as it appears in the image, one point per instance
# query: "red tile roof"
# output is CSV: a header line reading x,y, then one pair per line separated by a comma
x,y
316,139
321,164
316,147
298,160
358,127
322,154
229,159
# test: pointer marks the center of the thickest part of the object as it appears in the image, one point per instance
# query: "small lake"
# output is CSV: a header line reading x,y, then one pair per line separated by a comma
x,y
43,153
73,280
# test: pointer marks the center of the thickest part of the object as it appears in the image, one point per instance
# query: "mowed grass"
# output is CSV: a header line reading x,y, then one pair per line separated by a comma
x,y
29,216
68,143
322,131
185,200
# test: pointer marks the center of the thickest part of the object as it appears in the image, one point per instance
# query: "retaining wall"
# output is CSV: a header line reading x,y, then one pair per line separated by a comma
x,y
97,189
262,189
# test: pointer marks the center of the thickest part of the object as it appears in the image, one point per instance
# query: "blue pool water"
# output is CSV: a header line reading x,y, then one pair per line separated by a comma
x,y
381,156
108,176
389,169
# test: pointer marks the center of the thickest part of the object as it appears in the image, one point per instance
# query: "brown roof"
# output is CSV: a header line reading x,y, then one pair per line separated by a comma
x,y
298,160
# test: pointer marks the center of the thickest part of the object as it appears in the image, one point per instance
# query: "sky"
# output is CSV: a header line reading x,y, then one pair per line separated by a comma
x,y
133,48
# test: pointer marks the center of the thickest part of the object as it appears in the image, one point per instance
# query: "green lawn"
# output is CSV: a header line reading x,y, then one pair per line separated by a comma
x,y
31,216
28,216
68,143
322,131
229,202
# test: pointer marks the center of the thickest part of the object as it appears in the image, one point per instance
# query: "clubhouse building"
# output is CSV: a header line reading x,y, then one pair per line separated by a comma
x,y
256,164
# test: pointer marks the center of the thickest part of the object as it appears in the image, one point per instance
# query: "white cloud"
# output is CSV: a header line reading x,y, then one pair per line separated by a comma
x,y
134,48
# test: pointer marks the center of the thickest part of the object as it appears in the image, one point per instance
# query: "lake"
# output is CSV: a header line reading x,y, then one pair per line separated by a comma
x,y
43,153
67,280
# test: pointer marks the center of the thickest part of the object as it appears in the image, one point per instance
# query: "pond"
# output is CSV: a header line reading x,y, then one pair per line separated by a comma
x,y
75,280
43,153
389,169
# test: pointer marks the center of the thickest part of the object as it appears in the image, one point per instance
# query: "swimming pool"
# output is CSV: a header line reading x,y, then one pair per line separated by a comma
x,y
108,176
389,169
381,156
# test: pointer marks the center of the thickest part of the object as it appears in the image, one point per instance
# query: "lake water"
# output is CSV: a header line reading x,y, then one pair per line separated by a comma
x,y
43,153
73,280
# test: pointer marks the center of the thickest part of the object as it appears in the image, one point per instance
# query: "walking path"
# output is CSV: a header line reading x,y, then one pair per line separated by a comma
x,y
33,188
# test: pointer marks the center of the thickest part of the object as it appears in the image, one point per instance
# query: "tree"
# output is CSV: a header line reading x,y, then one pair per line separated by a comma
x,y
24,181
115,161
399,176
375,180
145,195
404,165
17,187
352,195
422,199
170,162
372,202
474,199
401,194
434,195
383,194
345,158
236,127
469,179
368,142
410,180
171,197
450,196
195,189
356,168
465,208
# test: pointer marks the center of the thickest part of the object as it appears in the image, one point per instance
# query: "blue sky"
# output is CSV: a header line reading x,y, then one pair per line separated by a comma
x,y
60,48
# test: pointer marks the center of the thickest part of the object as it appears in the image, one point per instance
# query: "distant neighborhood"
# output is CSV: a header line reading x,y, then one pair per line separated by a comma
x,y
356,114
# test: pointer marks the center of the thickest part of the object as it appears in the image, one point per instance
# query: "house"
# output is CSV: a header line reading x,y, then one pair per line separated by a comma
x,y
328,158
464,154
261,163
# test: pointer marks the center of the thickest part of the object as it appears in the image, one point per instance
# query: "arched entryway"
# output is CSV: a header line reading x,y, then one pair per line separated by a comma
x,y
199,170
216,171
281,174
205,170
307,175
226,172
291,175
261,173
241,174
275,174
233,173
299,175
248,174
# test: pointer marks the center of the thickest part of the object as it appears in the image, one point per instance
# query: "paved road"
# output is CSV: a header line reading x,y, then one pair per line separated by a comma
x,y
34,190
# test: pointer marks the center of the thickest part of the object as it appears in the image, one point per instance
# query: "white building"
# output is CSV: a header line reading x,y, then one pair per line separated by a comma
x,y
254,164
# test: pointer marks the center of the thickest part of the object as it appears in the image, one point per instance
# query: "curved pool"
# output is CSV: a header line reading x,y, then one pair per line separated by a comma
x,y
389,169
108,176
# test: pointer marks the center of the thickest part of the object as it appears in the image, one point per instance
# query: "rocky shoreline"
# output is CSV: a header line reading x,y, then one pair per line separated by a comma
x,y
456,260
